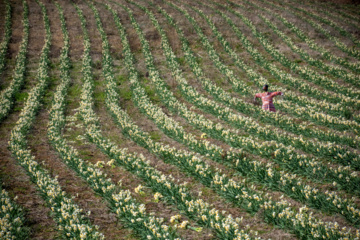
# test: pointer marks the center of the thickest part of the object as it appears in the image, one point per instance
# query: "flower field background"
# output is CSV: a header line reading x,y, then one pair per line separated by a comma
x,y
134,119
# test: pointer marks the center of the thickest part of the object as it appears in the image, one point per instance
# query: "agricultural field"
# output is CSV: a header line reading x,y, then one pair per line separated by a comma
x,y
136,119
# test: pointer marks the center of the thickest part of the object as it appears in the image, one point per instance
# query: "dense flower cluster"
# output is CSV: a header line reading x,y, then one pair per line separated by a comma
x,y
7,95
305,223
11,218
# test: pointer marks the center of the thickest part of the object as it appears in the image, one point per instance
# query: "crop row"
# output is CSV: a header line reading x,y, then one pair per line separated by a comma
x,y
312,114
293,97
226,227
67,214
12,220
296,100
287,123
305,111
194,166
305,72
346,76
126,207
339,16
204,147
7,95
350,51
264,174
6,36
331,23
282,214
284,155
348,12
311,43
333,109
348,15
308,112
258,79
249,125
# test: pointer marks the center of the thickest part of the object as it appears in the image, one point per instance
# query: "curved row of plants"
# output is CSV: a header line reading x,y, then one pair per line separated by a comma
x,y
227,227
265,174
284,155
6,37
327,21
67,214
346,157
228,187
197,209
353,66
306,73
337,72
307,112
122,203
341,16
259,80
347,11
338,43
285,122
8,94
351,14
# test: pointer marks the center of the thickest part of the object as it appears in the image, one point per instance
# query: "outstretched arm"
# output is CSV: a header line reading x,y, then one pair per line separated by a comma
x,y
277,93
256,96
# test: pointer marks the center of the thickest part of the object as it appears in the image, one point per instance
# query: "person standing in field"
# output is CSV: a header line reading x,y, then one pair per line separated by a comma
x,y
266,97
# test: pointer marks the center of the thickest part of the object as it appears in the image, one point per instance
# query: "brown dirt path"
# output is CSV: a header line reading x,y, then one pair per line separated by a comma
x,y
2,19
